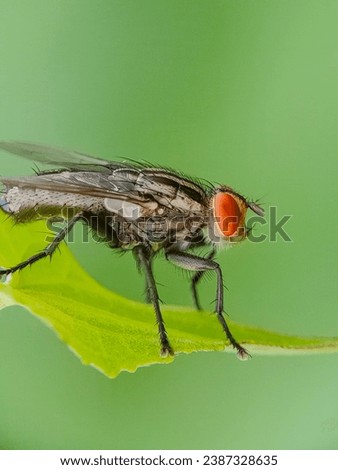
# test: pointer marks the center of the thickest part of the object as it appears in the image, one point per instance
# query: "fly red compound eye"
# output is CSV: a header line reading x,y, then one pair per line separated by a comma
x,y
228,213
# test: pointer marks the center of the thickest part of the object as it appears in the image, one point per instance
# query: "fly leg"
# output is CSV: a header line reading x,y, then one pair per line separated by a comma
x,y
195,280
144,262
148,296
196,263
48,251
148,293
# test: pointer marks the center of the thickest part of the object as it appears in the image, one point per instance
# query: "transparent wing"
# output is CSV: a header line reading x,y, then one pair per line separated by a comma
x,y
86,183
100,178
50,155
121,183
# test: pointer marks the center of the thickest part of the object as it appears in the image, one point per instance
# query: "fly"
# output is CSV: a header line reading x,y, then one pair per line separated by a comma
x,y
132,206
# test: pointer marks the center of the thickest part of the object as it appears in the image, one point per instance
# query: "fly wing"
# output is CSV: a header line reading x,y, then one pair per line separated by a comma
x,y
50,155
122,182
85,190
85,183
92,176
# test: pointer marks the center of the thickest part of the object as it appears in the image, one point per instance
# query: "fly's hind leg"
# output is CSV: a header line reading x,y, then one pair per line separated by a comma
x,y
48,251
144,262
196,263
147,291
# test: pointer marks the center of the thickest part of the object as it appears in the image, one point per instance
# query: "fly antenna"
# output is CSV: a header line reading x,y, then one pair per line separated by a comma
x,y
257,209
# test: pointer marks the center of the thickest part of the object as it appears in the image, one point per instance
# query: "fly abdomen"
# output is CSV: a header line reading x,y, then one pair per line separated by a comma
x,y
27,204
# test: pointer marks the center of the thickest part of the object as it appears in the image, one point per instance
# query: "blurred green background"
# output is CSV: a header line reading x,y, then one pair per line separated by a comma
x,y
236,91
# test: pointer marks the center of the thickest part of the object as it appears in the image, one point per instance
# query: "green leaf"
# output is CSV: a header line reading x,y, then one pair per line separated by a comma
x,y
106,330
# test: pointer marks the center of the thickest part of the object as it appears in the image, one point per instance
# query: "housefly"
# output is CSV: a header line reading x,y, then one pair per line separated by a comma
x,y
131,206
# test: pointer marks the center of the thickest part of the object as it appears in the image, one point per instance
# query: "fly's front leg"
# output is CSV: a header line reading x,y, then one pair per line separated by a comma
x,y
48,251
145,263
196,263
195,280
